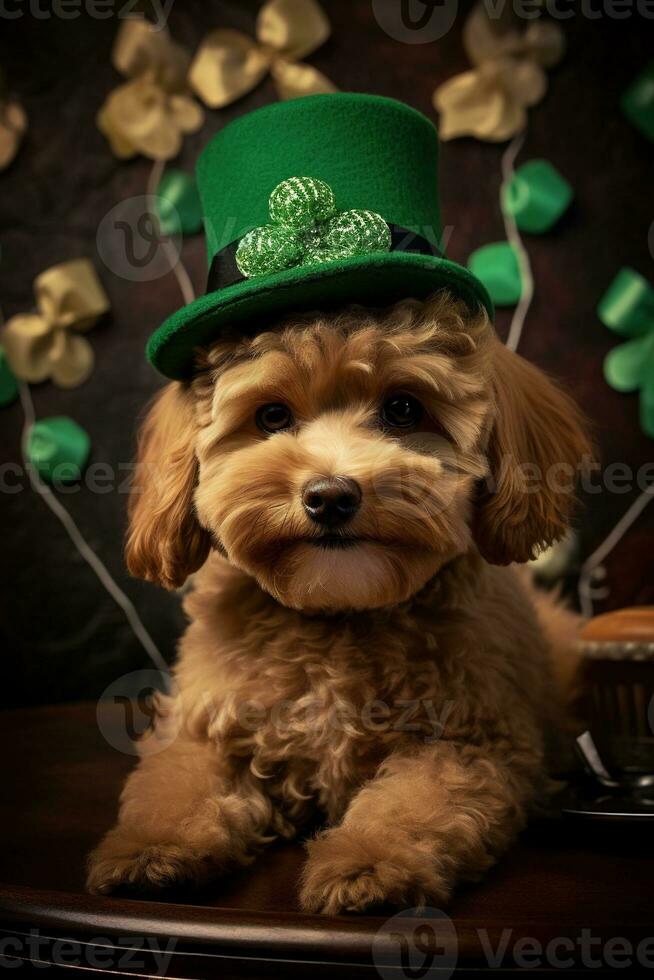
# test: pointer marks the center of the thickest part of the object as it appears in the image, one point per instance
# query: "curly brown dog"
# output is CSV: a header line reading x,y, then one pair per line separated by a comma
x,y
351,489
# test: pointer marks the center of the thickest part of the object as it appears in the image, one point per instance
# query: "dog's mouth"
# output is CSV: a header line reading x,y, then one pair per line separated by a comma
x,y
333,542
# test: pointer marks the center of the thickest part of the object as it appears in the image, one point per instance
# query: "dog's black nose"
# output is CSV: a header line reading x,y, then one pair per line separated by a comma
x,y
331,500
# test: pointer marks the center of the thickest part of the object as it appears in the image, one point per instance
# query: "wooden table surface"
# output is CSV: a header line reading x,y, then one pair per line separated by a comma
x,y
60,784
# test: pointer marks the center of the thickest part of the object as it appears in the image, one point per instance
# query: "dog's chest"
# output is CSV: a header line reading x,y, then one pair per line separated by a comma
x,y
325,706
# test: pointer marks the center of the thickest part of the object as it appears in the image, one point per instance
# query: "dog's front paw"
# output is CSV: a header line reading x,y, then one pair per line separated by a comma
x,y
120,861
347,872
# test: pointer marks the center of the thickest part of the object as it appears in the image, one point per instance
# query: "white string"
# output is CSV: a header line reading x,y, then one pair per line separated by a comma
x,y
154,179
593,564
180,272
592,567
514,239
177,266
78,540
589,568
55,505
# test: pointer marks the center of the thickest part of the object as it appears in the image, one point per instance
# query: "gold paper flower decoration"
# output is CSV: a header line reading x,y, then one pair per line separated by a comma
x,y
491,101
13,123
228,63
47,344
152,111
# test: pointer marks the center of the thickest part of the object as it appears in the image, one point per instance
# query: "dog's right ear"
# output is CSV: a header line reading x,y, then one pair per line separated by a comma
x,y
165,542
537,449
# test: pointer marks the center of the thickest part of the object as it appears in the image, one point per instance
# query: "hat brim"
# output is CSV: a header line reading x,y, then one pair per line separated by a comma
x,y
373,280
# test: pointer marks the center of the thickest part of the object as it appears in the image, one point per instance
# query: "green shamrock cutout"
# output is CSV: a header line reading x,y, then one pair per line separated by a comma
x,y
58,449
8,383
627,308
306,228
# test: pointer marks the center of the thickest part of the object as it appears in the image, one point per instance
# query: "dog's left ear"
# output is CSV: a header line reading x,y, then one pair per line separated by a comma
x,y
165,543
536,448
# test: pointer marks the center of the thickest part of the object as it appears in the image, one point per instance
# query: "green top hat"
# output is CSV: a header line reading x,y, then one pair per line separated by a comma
x,y
310,204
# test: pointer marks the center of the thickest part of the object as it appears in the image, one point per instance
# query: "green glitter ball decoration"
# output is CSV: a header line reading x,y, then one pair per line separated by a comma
x,y
301,202
307,229
268,249
319,256
357,232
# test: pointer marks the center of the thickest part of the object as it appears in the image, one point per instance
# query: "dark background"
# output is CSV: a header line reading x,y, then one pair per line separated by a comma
x,y
63,638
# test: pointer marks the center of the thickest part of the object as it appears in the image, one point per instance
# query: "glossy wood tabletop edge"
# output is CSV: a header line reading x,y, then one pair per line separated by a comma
x,y
272,935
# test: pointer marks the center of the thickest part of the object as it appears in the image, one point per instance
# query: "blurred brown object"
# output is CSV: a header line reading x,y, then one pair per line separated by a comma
x,y
618,686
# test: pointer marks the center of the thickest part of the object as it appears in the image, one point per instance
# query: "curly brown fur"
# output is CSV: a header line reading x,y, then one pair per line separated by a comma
x,y
403,686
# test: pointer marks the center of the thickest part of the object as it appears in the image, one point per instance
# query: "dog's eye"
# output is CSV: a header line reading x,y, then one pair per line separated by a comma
x,y
274,418
401,411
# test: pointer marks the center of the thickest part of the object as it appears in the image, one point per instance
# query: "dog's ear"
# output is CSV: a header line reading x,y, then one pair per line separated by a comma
x,y
536,448
165,542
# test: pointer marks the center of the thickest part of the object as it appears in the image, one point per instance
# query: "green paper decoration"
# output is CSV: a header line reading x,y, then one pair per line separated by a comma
x,y
627,308
178,204
58,449
646,404
536,196
8,382
638,102
496,265
306,228
625,367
